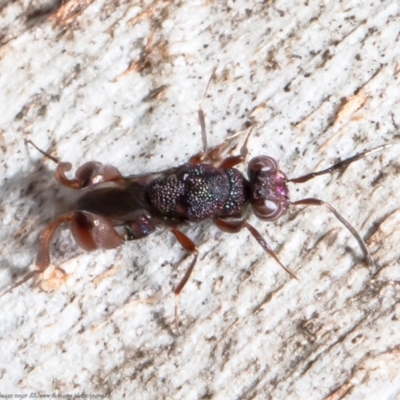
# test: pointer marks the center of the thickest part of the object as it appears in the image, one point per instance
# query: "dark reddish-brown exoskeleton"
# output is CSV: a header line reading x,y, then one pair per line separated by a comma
x,y
114,209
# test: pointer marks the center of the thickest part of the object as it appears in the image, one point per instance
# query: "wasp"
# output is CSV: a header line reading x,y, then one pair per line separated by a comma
x,y
114,209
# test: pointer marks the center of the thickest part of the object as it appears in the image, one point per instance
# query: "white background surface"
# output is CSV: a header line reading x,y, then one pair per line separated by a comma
x,y
321,79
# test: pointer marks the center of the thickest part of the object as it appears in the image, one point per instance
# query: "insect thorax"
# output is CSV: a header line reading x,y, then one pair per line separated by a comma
x,y
198,192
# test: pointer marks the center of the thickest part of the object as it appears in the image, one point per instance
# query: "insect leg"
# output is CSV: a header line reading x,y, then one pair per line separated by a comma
x,y
89,230
43,257
206,154
267,249
235,226
213,155
55,159
191,248
90,173
231,161
200,157
201,116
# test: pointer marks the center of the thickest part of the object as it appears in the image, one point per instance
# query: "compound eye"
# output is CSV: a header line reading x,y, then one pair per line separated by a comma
x,y
268,210
261,164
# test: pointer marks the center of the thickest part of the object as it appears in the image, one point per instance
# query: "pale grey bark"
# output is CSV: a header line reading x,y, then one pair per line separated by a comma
x,y
121,82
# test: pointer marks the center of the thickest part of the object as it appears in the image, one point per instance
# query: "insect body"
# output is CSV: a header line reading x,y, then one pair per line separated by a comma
x,y
116,208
